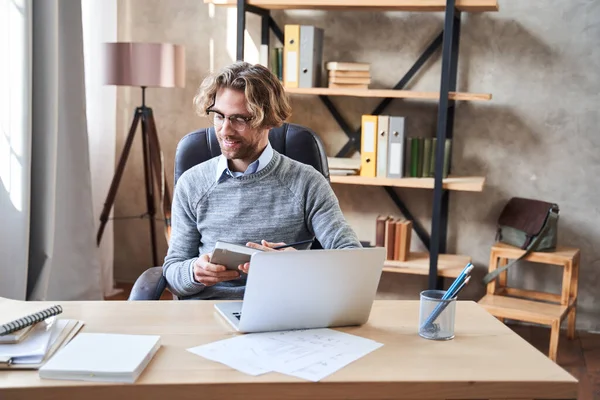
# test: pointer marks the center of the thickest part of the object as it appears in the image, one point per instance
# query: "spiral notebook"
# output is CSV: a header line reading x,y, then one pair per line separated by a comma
x,y
17,316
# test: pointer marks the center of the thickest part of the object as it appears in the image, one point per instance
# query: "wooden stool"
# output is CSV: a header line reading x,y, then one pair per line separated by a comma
x,y
532,306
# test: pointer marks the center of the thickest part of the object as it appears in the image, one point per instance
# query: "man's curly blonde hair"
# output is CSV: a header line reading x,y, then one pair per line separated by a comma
x,y
266,99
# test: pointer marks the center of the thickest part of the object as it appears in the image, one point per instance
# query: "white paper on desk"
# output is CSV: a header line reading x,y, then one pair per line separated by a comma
x,y
337,349
229,352
259,353
309,354
324,368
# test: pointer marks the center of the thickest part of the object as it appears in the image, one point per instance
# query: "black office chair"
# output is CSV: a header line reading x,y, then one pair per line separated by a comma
x,y
294,141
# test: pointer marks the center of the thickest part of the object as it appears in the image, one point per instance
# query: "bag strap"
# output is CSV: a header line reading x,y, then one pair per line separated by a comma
x,y
531,248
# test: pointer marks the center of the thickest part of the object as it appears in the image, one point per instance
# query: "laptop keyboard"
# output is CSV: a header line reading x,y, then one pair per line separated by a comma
x,y
237,314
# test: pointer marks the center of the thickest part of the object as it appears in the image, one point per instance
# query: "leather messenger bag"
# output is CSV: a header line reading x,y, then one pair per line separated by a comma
x,y
531,225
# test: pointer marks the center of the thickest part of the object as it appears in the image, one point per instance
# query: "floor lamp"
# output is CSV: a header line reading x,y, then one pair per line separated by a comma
x,y
143,65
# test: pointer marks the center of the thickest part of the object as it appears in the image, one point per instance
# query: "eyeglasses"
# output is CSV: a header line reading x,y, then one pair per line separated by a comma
x,y
237,122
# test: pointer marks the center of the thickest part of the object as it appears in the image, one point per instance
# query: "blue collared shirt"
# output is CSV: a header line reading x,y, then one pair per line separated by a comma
x,y
223,171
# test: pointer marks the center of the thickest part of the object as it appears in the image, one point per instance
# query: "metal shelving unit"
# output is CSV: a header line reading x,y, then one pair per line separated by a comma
x,y
448,39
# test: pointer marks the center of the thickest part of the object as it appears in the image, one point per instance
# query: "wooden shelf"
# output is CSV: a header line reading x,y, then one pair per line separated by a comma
x,y
465,184
398,94
365,5
522,309
449,265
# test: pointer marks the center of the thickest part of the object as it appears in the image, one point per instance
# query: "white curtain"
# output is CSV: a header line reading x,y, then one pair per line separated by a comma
x,y
15,145
100,25
49,184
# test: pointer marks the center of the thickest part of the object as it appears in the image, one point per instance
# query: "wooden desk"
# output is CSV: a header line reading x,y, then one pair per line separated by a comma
x,y
485,360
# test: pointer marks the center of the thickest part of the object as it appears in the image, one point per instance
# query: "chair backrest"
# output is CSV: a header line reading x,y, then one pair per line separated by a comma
x,y
295,141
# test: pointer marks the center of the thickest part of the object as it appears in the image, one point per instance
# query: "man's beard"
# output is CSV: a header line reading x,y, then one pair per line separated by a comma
x,y
243,150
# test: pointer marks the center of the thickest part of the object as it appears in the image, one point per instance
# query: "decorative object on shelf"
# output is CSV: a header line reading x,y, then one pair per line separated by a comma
x,y
143,65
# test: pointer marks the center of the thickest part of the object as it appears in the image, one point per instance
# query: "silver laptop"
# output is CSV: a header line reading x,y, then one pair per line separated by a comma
x,y
307,289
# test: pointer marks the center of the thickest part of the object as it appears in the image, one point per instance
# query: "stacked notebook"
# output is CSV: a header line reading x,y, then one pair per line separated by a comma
x,y
30,333
348,75
32,336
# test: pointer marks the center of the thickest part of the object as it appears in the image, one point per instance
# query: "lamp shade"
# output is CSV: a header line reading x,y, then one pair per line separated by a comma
x,y
144,64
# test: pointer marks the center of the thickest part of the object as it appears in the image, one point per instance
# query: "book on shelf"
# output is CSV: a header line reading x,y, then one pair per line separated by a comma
x,y
349,74
355,86
342,172
350,80
276,62
343,163
348,66
416,158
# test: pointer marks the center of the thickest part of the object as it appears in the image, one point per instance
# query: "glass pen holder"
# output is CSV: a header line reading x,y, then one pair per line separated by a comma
x,y
436,315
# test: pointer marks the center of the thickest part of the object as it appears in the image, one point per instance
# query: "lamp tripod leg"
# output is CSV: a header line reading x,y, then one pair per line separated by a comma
x,y
148,177
112,192
159,173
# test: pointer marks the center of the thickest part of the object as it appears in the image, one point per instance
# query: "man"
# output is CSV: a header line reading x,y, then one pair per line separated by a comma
x,y
249,194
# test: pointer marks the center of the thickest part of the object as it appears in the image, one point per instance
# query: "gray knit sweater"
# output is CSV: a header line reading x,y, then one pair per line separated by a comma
x,y
286,201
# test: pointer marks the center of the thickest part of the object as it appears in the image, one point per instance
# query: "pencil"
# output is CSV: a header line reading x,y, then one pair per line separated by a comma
x,y
293,244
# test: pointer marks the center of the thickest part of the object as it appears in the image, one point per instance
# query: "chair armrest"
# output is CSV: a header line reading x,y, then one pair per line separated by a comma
x,y
149,286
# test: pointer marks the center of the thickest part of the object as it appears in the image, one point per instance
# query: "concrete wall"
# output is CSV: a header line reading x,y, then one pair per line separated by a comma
x,y
537,138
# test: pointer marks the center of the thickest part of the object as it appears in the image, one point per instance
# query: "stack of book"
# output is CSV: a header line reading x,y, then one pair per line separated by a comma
x,y
30,333
348,75
395,235
343,166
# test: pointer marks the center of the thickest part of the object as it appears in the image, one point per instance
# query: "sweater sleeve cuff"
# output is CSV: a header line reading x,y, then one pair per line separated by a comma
x,y
188,278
